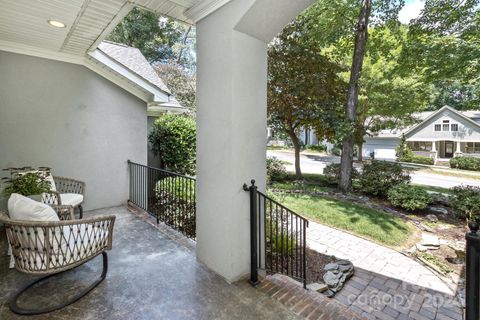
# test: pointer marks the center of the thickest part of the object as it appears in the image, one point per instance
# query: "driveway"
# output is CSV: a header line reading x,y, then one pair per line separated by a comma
x,y
316,164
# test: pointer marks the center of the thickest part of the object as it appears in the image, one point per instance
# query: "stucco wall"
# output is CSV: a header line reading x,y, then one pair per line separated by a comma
x,y
68,118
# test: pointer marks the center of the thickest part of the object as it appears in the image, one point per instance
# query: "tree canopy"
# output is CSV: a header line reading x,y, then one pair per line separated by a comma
x,y
304,89
160,39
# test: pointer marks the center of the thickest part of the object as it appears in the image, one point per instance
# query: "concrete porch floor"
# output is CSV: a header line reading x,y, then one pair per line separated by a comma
x,y
150,276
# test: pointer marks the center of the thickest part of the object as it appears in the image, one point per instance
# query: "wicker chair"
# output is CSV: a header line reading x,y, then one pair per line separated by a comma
x,y
49,248
68,193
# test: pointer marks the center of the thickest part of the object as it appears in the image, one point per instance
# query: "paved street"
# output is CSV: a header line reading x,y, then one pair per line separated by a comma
x,y
316,164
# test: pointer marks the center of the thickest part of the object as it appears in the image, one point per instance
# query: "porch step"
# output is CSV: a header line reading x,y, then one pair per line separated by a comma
x,y
444,163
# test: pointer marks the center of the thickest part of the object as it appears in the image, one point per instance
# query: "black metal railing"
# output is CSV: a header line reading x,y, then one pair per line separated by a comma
x,y
472,311
168,196
277,238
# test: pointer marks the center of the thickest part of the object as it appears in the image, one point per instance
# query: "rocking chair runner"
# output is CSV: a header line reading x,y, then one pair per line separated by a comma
x,y
51,247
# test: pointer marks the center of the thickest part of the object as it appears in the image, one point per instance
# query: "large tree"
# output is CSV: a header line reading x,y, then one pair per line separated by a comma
x,y
159,39
346,24
304,89
180,82
444,41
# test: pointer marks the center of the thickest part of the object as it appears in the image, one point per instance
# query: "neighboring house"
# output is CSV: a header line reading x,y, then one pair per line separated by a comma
x,y
441,134
89,116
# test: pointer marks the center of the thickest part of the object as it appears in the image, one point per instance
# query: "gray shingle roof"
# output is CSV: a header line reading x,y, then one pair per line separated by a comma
x,y
134,60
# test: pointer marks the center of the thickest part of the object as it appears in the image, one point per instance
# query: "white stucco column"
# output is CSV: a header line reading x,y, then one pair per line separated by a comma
x,y
434,146
459,149
231,125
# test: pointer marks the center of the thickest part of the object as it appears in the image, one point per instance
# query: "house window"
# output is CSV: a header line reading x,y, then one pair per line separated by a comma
x,y
438,127
472,147
454,127
446,125
422,146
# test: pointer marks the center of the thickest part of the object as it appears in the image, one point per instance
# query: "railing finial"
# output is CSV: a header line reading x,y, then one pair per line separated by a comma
x,y
473,226
253,182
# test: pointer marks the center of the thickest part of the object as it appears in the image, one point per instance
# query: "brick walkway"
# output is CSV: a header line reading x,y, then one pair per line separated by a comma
x,y
386,284
306,304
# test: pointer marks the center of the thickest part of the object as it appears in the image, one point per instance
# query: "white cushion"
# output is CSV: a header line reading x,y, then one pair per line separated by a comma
x,y
71,199
23,208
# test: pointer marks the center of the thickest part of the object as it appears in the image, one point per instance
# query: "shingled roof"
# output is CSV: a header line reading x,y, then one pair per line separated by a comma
x,y
134,60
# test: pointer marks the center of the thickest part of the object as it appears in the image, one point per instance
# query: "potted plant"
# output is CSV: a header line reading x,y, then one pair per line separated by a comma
x,y
27,181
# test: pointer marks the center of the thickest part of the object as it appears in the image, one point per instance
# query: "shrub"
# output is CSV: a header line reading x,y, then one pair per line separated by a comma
x,y
465,200
317,148
275,169
423,160
332,172
380,176
173,140
465,163
403,152
177,187
409,197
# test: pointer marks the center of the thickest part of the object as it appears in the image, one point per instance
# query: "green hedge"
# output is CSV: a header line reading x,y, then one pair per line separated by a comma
x,y
465,200
423,160
380,176
315,147
409,197
465,163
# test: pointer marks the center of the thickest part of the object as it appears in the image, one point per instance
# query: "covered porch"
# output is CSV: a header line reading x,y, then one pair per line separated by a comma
x,y
444,149
153,274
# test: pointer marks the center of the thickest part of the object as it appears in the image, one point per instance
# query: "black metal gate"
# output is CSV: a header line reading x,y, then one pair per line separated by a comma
x,y
277,238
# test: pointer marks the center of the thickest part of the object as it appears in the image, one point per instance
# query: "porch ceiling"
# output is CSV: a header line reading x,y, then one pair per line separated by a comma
x,y
23,23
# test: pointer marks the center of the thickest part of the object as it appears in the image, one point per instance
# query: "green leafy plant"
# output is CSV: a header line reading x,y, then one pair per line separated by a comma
x,y
378,177
403,152
275,170
173,140
316,147
26,181
423,160
179,187
409,197
465,163
465,200
332,172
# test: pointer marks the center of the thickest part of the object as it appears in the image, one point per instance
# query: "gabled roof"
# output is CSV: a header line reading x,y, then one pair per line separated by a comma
x,y
127,67
426,116
134,60
445,108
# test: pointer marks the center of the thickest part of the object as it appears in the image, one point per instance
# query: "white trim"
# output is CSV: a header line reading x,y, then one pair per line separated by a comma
x,y
139,92
39,52
158,95
203,8
156,109
122,13
437,112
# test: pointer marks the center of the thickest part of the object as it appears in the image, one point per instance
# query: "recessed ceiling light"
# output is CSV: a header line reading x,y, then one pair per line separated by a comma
x,y
56,23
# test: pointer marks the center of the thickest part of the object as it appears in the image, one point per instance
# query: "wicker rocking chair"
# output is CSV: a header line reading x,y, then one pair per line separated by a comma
x,y
51,247
68,192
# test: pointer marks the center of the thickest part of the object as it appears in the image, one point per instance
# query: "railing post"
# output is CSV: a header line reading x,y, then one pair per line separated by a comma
x,y
472,311
253,233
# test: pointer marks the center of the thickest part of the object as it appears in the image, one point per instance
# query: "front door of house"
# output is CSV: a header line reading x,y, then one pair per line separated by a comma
x,y
448,149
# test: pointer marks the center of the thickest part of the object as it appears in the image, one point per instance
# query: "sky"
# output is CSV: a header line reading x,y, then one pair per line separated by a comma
x,y
411,10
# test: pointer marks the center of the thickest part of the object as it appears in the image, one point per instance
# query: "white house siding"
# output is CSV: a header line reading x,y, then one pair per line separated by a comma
x,y
467,131
384,148
68,118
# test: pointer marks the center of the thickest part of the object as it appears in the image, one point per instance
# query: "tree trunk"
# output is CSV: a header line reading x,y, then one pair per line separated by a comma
x,y
296,146
360,151
361,35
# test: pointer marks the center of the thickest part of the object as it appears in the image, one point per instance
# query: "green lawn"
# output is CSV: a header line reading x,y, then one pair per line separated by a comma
x,y
377,226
